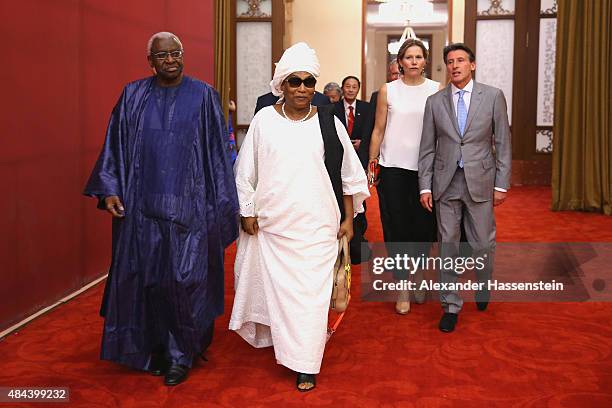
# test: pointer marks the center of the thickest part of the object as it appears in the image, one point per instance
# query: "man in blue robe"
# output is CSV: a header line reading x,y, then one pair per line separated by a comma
x,y
165,175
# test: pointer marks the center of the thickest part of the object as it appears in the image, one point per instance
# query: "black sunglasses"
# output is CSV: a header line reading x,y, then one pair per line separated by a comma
x,y
296,82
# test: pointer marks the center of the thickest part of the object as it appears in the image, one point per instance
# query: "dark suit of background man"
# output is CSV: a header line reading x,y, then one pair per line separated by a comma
x,y
355,115
269,99
458,164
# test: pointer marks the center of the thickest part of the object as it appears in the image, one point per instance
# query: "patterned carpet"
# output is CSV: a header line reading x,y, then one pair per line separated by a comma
x,y
512,355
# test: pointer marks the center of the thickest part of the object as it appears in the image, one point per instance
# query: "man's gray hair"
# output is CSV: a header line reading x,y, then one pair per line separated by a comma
x,y
160,35
332,86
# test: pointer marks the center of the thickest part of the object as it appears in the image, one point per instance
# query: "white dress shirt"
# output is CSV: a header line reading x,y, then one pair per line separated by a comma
x,y
346,110
467,96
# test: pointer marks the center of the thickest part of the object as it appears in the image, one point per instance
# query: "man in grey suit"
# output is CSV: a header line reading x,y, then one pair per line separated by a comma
x,y
464,160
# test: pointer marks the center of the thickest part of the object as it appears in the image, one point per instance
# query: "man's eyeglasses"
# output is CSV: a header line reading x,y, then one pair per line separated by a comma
x,y
295,82
163,55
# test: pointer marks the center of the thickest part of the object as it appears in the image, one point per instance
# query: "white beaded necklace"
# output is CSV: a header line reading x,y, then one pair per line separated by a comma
x,y
298,120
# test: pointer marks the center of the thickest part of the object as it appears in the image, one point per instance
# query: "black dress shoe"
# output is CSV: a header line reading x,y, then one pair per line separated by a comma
x,y
482,299
177,373
159,365
448,322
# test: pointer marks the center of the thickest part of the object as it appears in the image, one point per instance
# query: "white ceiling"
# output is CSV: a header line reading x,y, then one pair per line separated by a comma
x,y
421,15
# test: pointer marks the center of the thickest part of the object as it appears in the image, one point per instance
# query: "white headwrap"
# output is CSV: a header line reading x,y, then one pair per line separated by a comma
x,y
298,57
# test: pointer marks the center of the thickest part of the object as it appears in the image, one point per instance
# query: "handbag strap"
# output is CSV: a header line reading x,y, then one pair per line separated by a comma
x,y
343,249
332,329
344,246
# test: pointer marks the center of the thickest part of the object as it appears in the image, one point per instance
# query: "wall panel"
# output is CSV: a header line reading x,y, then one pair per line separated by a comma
x,y
69,62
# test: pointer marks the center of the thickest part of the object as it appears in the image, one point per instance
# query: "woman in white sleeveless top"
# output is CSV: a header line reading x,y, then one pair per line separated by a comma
x,y
395,147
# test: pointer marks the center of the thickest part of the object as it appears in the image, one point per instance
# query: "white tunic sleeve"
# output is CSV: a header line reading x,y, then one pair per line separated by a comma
x,y
354,179
245,170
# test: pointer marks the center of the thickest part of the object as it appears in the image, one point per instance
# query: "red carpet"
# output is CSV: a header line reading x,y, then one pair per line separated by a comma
x,y
513,355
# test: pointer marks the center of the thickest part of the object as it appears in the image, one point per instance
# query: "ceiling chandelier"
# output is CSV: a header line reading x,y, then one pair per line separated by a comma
x,y
394,46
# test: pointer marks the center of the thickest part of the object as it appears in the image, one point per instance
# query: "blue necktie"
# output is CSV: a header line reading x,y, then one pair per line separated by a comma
x,y
461,119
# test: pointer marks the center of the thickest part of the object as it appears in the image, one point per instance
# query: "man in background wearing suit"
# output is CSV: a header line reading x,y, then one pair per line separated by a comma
x,y
462,172
269,99
354,115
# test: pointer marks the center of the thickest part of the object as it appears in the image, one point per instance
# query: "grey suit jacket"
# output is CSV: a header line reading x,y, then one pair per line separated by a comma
x,y
441,147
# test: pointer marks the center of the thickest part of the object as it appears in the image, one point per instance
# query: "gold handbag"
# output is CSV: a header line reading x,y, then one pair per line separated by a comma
x,y
341,291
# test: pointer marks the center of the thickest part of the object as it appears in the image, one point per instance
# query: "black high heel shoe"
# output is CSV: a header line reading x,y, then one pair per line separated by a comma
x,y
303,379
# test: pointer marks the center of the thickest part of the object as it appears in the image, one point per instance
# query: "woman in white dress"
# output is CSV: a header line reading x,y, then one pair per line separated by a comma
x,y
295,203
395,147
